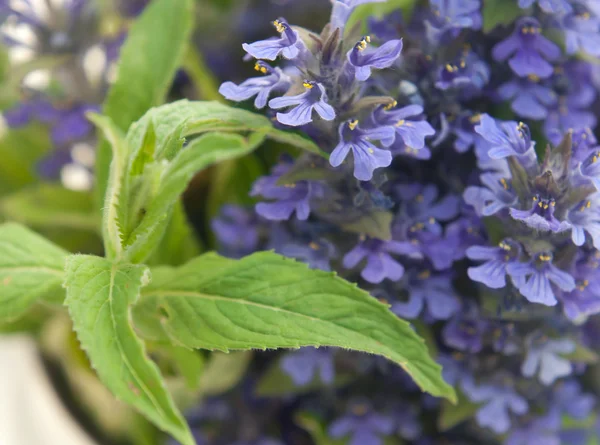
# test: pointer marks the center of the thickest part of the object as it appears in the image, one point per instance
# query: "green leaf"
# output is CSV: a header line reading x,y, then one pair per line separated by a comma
x,y
363,12
452,415
582,354
267,301
149,59
20,151
31,268
208,149
51,206
499,12
99,296
224,371
377,224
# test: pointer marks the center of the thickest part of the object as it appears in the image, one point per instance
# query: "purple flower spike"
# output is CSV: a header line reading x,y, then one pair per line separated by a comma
x,y
363,59
364,426
410,132
549,6
342,9
539,275
380,264
454,15
236,230
544,358
367,157
541,216
261,87
530,51
496,194
506,138
304,364
288,45
585,217
529,98
314,98
498,402
573,401
492,273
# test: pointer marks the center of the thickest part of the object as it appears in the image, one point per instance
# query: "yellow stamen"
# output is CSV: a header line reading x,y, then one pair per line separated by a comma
x,y
280,27
391,105
260,68
352,124
308,85
424,275
313,245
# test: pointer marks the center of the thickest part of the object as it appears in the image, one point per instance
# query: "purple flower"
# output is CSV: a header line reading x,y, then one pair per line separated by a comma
x,y
529,98
584,300
496,194
410,132
362,58
342,9
288,198
470,74
544,358
465,332
590,168
261,87
572,401
492,272
433,289
539,275
506,138
582,33
498,401
585,217
454,15
314,98
540,431
365,427
380,264
367,157
303,365
541,216
236,230
530,50
260,441
317,254
549,6
288,45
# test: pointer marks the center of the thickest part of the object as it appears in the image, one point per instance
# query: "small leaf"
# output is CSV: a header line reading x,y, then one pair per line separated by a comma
x,y
208,149
377,224
267,301
114,214
99,296
452,415
500,12
224,371
31,268
148,62
582,354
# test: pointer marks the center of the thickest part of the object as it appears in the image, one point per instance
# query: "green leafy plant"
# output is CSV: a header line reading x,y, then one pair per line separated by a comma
x,y
136,294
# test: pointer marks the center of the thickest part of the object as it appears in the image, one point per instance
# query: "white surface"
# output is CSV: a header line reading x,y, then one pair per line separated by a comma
x,y
30,411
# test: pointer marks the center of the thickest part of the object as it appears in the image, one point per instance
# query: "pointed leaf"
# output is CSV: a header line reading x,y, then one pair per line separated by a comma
x,y
268,301
99,296
148,62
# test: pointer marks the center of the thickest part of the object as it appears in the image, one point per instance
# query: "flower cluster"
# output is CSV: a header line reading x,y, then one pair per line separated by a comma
x,y
462,187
